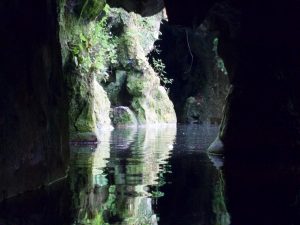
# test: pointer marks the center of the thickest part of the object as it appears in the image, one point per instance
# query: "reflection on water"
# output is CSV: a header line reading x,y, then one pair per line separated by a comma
x,y
136,169
135,176
124,179
117,182
263,191
196,193
160,176
88,182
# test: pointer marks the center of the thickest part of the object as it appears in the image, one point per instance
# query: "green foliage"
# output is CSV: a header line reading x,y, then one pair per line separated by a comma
x,y
219,60
92,8
159,68
88,9
93,48
110,204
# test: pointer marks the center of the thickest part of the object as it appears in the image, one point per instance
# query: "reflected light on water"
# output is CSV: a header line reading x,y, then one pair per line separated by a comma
x,y
155,175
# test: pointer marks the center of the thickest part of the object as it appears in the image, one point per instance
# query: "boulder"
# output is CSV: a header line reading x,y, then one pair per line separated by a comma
x,y
123,116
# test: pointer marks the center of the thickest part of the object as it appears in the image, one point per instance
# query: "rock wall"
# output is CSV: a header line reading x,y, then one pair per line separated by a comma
x,y
262,110
141,87
81,36
200,81
33,115
104,57
261,55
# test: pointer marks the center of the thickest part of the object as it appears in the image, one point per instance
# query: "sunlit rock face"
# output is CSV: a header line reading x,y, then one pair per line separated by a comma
x,y
135,84
84,65
33,115
104,58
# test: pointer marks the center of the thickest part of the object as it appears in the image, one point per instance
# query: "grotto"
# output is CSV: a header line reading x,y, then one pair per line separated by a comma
x,y
149,112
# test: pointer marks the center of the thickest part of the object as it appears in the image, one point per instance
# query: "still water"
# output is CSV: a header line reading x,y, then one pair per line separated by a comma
x,y
153,176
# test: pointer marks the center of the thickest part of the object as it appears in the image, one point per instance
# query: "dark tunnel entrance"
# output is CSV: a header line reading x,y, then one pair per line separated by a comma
x,y
195,75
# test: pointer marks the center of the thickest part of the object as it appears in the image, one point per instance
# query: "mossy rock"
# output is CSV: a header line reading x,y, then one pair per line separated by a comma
x,y
81,89
85,122
123,116
193,111
114,88
101,106
139,84
156,107
163,106
139,106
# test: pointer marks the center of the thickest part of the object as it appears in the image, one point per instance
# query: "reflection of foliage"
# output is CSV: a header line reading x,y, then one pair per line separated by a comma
x,y
110,204
93,210
157,194
121,202
98,219
140,221
219,206
165,168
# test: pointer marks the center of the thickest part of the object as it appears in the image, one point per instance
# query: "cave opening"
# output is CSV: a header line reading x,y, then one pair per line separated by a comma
x,y
196,77
149,112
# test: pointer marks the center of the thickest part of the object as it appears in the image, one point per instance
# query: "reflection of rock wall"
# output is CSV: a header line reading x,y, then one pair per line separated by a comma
x,y
219,208
197,197
154,145
138,211
150,149
137,167
88,182
100,158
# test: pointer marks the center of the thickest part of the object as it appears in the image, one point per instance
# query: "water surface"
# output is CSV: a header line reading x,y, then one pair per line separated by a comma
x,y
151,176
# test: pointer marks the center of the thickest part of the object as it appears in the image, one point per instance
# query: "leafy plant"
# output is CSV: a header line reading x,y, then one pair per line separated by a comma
x,y
159,67
93,48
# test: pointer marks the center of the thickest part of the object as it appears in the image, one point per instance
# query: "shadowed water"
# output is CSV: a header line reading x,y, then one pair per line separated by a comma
x,y
148,176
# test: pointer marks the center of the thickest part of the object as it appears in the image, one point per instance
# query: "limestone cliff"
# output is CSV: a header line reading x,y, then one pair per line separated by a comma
x,y
104,56
145,96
